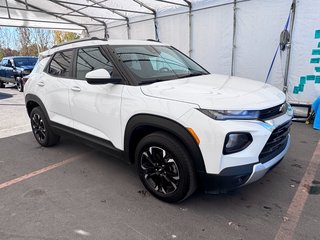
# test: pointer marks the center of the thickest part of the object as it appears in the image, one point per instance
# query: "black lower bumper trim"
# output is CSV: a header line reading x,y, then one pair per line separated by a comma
x,y
228,179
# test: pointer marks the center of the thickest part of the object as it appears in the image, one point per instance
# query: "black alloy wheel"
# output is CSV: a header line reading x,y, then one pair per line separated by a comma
x,y
41,128
38,128
165,167
160,170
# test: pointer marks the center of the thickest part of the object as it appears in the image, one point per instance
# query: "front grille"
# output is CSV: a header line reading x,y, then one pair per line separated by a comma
x,y
273,111
276,143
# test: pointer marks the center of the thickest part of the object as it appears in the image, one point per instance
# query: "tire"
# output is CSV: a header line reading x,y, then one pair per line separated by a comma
x,y
1,84
41,128
165,167
19,85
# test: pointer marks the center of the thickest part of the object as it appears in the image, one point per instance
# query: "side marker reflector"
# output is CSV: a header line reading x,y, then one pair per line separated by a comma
x,y
194,135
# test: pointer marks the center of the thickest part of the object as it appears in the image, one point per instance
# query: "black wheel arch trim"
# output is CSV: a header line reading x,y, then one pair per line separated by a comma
x,y
33,98
169,126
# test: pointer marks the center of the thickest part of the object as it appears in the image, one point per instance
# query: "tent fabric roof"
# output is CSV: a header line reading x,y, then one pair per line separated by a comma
x,y
78,15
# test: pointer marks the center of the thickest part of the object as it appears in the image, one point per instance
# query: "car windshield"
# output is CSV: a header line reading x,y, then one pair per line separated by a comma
x,y
19,62
153,63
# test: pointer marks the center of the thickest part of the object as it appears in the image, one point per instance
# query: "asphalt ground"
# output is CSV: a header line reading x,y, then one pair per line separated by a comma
x,y
82,193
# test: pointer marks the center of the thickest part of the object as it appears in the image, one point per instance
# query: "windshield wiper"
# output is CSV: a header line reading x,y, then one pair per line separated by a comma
x,y
153,81
193,74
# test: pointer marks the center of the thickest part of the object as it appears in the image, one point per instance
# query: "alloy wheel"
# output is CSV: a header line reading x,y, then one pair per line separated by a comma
x,y
38,127
160,170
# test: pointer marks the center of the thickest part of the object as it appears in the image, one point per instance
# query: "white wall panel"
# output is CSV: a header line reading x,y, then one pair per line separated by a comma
x,y
259,24
142,30
174,30
120,32
212,38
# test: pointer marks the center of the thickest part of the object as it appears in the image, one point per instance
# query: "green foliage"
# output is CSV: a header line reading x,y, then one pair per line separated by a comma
x,y
62,37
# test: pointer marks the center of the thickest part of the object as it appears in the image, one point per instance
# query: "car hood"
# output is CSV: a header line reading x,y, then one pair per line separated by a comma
x,y
218,92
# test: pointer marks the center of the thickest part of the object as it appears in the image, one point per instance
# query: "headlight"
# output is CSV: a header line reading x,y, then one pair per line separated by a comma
x,y
26,72
230,114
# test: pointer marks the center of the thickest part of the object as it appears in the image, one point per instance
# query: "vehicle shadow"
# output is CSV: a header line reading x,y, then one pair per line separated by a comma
x,y
5,95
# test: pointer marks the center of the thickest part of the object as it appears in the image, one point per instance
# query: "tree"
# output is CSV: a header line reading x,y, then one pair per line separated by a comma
x,y
61,37
8,37
4,52
42,38
24,41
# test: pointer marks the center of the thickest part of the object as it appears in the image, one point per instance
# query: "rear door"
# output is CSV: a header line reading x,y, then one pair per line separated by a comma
x,y
56,84
95,108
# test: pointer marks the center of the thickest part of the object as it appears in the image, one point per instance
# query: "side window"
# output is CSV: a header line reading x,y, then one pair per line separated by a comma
x,y
89,59
4,62
60,64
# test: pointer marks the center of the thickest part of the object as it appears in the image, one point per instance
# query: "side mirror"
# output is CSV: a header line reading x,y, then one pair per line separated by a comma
x,y
100,76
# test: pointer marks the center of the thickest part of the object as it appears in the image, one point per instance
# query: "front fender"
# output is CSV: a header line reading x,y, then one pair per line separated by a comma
x,y
167,125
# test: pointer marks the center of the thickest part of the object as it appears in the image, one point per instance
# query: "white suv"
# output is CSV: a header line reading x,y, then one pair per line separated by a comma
x,y
153,106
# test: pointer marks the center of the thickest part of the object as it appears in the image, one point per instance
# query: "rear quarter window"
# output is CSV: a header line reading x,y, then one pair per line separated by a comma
x,y
60,64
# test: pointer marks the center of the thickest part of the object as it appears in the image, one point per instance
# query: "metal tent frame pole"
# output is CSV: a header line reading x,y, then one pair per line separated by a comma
x,y
189,6
45,21
102,6
286,74
53,14
190,26
8,11
154,17
170,2
234,37
60,14
115,12
83,14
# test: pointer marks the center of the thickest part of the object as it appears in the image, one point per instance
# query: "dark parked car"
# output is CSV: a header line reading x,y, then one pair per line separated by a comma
x,y
13,69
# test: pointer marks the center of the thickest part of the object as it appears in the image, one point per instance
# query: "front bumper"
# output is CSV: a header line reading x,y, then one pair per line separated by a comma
x,y
235,177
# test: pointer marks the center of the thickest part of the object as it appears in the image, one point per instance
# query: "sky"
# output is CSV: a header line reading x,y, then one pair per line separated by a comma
x,y
9,37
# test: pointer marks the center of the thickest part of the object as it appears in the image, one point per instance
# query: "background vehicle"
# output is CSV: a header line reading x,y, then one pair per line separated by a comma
x,y
153,106
12,69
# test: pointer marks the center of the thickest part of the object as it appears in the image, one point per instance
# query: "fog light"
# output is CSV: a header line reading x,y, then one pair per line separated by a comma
x,y
236,142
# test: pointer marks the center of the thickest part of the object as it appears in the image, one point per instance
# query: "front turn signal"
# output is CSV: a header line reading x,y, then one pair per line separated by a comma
x,y
194,135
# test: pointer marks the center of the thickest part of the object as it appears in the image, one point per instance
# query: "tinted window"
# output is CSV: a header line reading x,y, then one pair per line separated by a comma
x,y
60,64
20,62
157,63
90,59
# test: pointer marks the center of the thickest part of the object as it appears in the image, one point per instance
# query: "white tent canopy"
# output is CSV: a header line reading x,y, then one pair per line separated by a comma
x,y
234,37
79,14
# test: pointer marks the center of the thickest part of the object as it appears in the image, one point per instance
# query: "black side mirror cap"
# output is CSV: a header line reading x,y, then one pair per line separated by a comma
x,y
104,81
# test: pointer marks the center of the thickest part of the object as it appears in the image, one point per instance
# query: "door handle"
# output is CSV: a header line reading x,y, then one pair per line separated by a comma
x,y
76,89
40,84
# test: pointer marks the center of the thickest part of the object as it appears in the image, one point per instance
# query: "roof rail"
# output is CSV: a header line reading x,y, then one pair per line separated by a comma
x,y
153,40
79,40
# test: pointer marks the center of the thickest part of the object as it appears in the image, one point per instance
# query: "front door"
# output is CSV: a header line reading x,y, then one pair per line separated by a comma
x,y
95,108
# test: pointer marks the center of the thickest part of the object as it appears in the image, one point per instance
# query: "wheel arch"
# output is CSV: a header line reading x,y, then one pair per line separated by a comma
x,y
141,125
33,101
